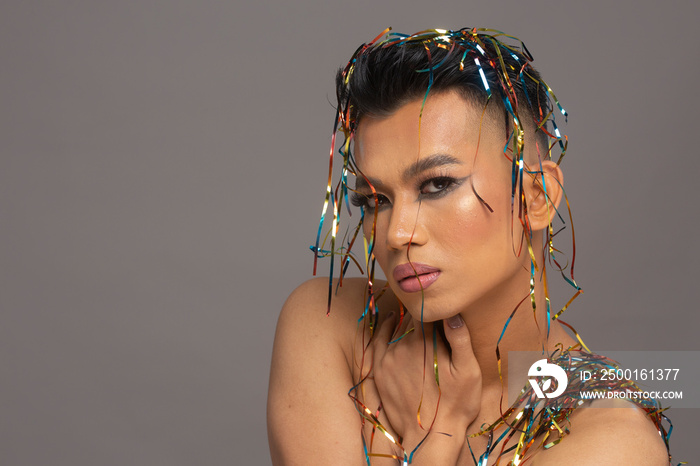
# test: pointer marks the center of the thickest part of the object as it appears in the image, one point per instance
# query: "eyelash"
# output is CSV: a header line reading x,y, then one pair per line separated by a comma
x,y
363,200
449,182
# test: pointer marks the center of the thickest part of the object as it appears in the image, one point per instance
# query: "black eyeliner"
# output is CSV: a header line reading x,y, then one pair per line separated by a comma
x,y
452,184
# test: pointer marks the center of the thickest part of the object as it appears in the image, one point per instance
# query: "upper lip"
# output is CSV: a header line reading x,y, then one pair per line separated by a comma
x,y
412,269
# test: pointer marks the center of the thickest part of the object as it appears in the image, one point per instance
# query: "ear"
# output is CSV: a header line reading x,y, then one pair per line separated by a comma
x,y
543,193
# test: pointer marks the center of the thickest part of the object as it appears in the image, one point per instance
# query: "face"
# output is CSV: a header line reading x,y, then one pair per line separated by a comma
x,y
439,246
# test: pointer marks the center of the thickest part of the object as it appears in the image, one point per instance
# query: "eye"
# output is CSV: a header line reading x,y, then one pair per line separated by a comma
x,y
381,201
367,201
436,186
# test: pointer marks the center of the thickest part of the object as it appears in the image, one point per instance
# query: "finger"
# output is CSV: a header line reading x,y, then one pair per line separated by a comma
x,y
381,338
420,330
424,343
457,335
418,338
441,345
402,327
382,335
405,323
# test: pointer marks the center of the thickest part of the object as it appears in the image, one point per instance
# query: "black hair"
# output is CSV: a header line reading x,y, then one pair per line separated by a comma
x,y
382,77
487,67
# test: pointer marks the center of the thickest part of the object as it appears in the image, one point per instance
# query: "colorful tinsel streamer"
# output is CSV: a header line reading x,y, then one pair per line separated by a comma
x,y
530,418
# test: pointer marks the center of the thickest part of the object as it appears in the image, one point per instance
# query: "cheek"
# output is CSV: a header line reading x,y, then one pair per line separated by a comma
x,y
471,230
379,236
367,226
467,221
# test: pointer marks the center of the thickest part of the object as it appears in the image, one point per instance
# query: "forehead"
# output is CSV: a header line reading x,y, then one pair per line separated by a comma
x,y
446,124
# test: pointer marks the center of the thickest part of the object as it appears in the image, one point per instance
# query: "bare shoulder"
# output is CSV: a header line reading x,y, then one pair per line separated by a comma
x,y
310,416
310,300
610,433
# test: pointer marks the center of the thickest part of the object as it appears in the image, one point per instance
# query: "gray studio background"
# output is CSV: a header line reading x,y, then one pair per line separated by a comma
x,y
162,169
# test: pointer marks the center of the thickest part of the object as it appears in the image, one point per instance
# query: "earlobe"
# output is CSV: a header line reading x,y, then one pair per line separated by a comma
x,y
543,193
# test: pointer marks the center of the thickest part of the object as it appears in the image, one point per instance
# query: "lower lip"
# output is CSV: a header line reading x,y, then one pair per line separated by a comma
x,y
415,284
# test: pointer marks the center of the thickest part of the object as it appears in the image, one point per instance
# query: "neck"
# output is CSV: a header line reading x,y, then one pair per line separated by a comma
x,y
525,332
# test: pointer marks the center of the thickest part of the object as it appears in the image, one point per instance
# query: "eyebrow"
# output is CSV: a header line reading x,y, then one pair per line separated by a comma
x,y
415,169
428,163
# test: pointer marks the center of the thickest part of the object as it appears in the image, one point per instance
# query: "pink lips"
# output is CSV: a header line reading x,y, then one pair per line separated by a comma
x,y
414,278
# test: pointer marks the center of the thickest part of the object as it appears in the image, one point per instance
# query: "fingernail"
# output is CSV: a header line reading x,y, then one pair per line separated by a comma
x,y
455,321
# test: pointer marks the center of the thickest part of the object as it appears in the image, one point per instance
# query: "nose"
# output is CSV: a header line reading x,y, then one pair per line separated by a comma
x,y
405,227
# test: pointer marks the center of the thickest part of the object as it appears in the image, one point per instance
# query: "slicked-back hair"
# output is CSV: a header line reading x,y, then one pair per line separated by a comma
x,y
383,77
488,68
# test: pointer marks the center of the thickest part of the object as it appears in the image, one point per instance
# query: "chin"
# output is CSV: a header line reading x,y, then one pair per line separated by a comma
x,y
428,314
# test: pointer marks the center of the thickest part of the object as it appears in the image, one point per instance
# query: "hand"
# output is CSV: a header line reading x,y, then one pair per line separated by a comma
x,y
404,376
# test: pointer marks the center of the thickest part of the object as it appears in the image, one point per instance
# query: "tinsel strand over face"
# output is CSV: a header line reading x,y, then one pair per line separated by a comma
x,y
503,66
486,51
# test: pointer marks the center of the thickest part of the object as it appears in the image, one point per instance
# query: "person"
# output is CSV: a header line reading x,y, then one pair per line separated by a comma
x,y
451,137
